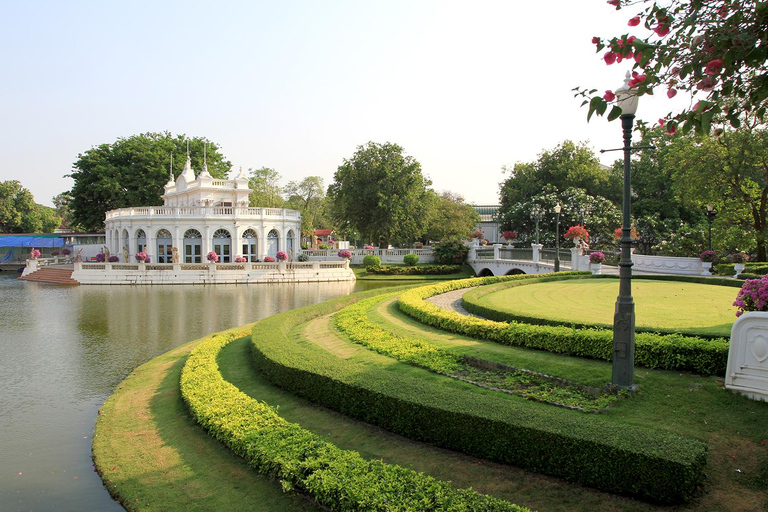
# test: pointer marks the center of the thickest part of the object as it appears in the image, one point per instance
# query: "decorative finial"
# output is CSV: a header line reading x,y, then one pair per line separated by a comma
x,y
171,166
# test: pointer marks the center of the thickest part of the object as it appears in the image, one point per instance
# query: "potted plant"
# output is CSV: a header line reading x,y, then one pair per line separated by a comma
x,y
241,259
509,236
577,233
269,259
281,256
345,254
739,259
212,257
142,257
34,254
101,257
707,258
596,260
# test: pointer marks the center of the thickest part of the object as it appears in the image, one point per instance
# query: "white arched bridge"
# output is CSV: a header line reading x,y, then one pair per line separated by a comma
x,y
500,260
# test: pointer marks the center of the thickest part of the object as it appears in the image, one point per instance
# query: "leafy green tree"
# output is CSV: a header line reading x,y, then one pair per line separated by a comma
x,y
729,172
265,185
20,214
132,172
63,211
307,197
381,193
715,50
449,217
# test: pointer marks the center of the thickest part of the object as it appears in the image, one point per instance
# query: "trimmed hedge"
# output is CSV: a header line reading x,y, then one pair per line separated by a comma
x,y
421,270
371,260
756,268
666,352
411,259
648,463
335,478
471,302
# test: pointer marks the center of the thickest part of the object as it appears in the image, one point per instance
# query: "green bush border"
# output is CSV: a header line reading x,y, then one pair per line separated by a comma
x,y
471,304
421,270
335,478
667,352
651,464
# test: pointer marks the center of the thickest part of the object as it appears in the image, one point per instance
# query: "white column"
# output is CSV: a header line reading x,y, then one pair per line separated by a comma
x,y
496,249
536,252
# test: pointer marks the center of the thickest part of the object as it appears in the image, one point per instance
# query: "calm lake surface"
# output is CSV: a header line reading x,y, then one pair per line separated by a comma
x,y
63,350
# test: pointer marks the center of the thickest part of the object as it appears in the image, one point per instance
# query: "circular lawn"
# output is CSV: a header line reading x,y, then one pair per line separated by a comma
x,y
664,305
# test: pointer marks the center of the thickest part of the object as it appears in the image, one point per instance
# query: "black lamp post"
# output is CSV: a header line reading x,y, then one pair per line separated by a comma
x,y
711,213
558,209
623,375
537,214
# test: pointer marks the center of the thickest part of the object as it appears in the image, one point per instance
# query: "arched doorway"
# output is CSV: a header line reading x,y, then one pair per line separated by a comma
x,y
250,245
222,245
141,241
164,246
273,243
289,243
193,247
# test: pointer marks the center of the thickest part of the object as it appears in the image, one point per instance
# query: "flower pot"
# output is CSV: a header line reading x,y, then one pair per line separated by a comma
x,y
705,266
738,268
597,268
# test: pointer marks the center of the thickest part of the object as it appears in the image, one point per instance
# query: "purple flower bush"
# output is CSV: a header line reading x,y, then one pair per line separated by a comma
x,y
113,259
345,254
281,255
707,256
101,257
269,259
212,257
142,257
597,257
753,296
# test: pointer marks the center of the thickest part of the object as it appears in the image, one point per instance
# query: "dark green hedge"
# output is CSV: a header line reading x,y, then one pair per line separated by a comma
x,y
337,479
421,270
472,302
651,464
757,268
666,352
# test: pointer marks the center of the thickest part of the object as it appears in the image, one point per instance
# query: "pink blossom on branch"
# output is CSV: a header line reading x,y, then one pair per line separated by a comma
x,y
671,93
634,21
713,67
609,96
609,58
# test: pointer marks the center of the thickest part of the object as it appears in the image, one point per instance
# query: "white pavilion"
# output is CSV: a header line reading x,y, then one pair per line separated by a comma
x,y
199,215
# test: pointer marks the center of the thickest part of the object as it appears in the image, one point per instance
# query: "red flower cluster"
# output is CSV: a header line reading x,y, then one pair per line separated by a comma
x,y
636,79
634,21
713,67
609,96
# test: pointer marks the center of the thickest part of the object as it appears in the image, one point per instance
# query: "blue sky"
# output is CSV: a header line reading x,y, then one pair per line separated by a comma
x,y
463,87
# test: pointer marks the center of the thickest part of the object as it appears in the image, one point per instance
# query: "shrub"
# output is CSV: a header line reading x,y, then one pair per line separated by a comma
x,y
54,253
269,259
323,246
597,257
648,463
707,256
345,254
411,259
753,296
423,270
371,261
101,257
113,259
337,479
66,252
303,257
450,252
281,255
739,257
666,352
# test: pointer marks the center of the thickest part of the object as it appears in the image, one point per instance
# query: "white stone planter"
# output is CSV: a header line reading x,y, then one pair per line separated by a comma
x,y
738,268
747,370
705,266
596,268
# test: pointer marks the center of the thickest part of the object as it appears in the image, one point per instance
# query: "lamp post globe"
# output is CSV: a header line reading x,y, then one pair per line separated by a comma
x,y
623,374
558,209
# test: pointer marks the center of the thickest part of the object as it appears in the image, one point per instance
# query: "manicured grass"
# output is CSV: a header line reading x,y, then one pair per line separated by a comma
x,y
361,274
153,456
658,304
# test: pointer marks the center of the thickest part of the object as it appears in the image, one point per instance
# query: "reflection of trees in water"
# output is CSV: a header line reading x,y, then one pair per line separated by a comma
x,y
121,327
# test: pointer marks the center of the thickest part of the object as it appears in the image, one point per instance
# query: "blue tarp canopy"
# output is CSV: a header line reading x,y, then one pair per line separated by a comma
x,y
31,241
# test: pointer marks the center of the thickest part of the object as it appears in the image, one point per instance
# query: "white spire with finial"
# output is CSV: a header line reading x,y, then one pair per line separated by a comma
x,y
205,172
170,171
188,173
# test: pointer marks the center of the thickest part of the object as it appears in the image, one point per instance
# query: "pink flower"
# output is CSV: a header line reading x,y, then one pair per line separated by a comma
x,y
609,58
713,67
634,21
614,2
671,129
637,79
705,84
671,93
638,57
609,96
661,30
661,123
595,40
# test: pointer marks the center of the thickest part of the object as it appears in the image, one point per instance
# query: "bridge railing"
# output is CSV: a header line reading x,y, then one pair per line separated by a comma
x,y
548,255
516,254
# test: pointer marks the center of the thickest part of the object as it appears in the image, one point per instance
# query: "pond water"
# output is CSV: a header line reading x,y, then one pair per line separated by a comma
x,y
64,350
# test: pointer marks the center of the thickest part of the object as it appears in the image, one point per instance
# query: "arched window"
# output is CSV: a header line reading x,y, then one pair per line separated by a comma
x,y
141,241
250,245
273,243
222,245
193,248
164,246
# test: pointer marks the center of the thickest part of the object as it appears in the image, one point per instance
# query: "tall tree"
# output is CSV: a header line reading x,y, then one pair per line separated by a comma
x,y
449,217
381,193
20,214
265,185
731,173
132,172
715,50
307,197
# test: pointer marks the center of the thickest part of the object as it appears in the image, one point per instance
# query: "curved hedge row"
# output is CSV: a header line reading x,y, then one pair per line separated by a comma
x,y
335,478
421,270
471,302
595,451
666,352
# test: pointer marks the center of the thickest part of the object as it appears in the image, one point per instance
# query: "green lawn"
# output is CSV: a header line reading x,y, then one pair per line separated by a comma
x,y
658,304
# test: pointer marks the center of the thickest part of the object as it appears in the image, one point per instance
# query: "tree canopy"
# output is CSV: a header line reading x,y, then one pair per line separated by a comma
x,y
380,193
716,50
307,197
20,214
265,188
132,172
449,217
